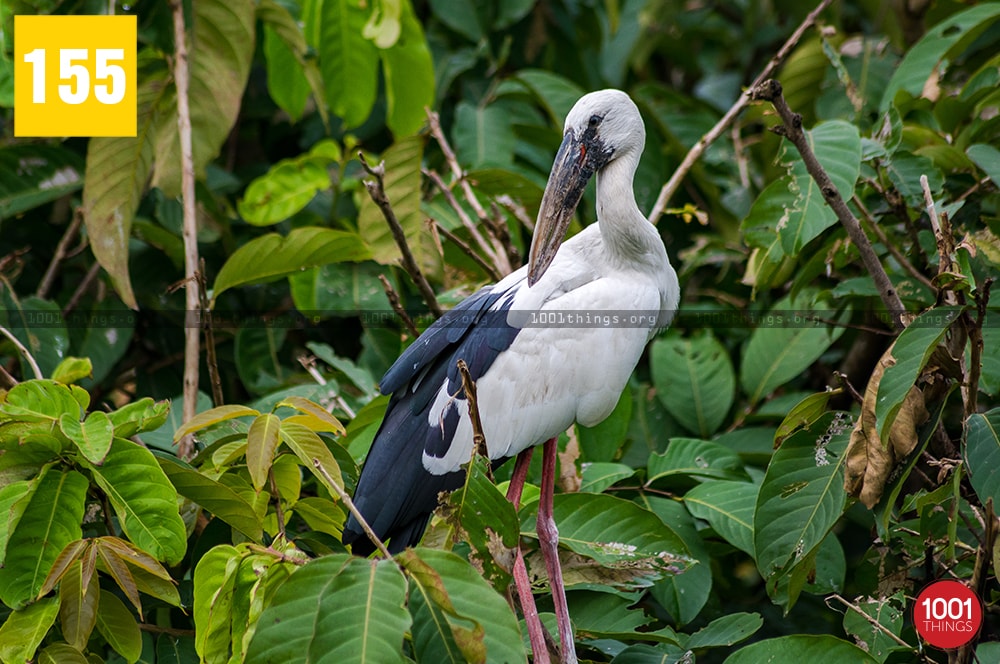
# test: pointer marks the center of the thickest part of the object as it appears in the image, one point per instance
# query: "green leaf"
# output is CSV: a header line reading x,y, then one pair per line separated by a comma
x,y
309,447
682,595
460,16
694,380
641,653
40,327
92,436
341,289
78,605
72,370
556,93
221,44
14,498
904,171
688,460
801,648
486,519
273,256
787,345
214,580
335,610
599,476
321,515
483,135
987,158
262,440
143,499
478,620
348,61
616,533
409,76
603,442
922,60
284,190
61,653
217,498
728,507
139,416
118,171
23,631
213,416
50,521
982,454
888,614
726,631
802,494
119,627
314,410
911,351
803,414
404,188
285,82
32,174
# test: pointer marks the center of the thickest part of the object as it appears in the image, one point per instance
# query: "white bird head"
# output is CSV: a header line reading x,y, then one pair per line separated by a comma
x,y
602,126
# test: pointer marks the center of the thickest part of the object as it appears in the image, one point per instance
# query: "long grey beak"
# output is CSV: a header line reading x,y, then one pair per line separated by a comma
x,y
576,162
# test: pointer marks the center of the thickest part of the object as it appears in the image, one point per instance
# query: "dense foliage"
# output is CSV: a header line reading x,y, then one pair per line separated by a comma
x,y
791,462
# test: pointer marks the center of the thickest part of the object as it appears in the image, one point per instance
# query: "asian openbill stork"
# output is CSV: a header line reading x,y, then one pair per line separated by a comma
x,y
533,380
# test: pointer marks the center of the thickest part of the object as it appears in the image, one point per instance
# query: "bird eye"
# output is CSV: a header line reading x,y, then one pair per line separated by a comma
x,y
595,120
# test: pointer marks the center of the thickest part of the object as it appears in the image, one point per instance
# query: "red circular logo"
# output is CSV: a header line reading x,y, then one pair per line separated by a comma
x,y
947,614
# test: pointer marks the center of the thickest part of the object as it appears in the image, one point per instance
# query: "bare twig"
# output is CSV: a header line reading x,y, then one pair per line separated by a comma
x,y
7,377
339,490
791,128
82,288
500,232
192,335
376,189
883,238
59,255
397,306
467,250
463,216
435,126
720,127
24,351
874,623
211,360
478,437
517,210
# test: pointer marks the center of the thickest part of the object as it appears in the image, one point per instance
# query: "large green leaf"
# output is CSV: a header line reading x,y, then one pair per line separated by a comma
x,y
409,76
289,86
694,380
335,610
726,630
556,93
92,437
23,631
688,460
348,61
272,256
118,627
215,497
214,580
801,648
483,135
982,454
262,440
310,448
118,171
32,174
288,186
603,441
616,533
143,498
728,507
683,595
987,158
448,586
42,401
912,350
788,342
14,498
221,45
882,618
802,494
50,521
923,59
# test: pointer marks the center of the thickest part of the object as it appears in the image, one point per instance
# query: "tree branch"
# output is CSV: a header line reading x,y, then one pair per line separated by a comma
x,y
57,258
376,189
394,302
720,127
468,251
192,333
791,129
339,490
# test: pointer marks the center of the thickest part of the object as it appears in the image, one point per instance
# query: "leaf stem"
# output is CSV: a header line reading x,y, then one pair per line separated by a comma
x,y
352,509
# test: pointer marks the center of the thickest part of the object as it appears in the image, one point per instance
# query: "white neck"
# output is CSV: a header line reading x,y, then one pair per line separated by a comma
x,y
627,235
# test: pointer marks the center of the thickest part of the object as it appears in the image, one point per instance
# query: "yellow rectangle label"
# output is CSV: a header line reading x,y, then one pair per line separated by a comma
x,y
74,76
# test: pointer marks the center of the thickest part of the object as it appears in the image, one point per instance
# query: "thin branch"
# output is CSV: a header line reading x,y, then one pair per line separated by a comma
x,y
500,232
278,512
82,288
517,210
791,128
720,127
60,254
192,335
884,239
463,216
874,623
467,250
24,351
376,189
434,123
339,490
478,437
397,306
211,359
